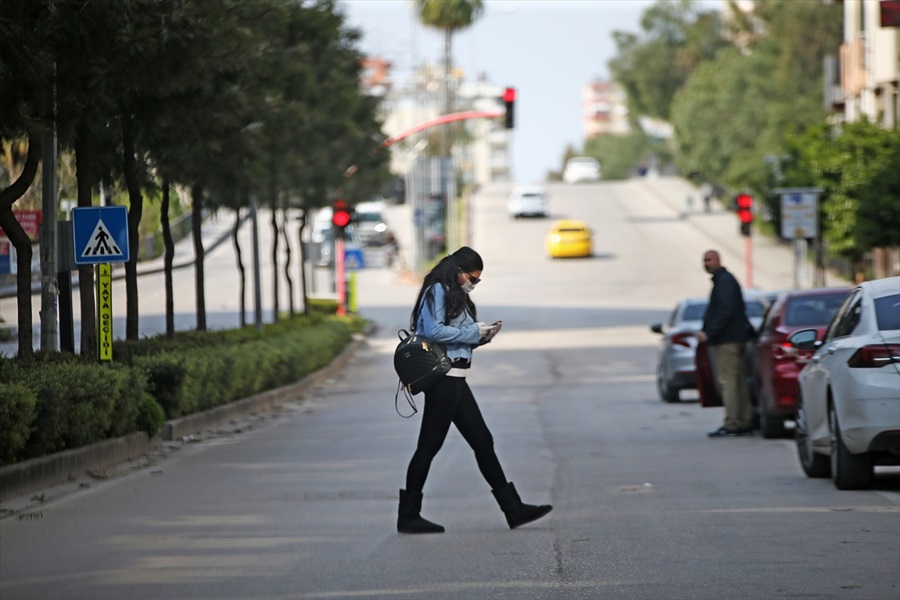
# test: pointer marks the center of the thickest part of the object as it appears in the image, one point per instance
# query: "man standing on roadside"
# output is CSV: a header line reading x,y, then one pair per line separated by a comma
x,y
726,329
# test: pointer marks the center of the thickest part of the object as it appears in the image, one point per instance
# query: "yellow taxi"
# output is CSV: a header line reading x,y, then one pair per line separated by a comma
x,y
569,238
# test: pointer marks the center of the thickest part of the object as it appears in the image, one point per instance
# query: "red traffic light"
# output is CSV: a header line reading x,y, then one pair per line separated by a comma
x,y
340,214
744,204
509,99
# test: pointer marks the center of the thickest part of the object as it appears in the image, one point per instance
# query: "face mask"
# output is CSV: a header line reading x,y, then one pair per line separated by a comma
x,y
468,287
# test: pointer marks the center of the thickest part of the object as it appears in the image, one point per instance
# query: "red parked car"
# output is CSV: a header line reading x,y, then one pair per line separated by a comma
x,y
777,362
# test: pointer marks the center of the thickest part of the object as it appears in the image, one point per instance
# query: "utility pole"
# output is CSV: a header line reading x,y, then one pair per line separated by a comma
x,y
49,289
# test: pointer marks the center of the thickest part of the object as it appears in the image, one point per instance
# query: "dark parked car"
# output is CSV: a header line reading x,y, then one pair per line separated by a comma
x,y
777,362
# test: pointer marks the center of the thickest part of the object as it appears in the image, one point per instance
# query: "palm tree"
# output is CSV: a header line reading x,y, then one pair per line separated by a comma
x,y
450,16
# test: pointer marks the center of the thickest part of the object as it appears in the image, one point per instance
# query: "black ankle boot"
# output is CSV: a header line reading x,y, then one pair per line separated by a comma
x,y
517,513
408,519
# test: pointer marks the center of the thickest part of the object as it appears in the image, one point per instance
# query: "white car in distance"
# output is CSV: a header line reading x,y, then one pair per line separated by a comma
x,y
527,201
581,168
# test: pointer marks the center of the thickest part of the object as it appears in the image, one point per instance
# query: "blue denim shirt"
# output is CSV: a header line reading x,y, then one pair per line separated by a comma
x,y
457,338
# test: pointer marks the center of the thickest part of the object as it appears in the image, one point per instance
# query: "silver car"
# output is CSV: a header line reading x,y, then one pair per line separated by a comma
x,y
848,410
675,369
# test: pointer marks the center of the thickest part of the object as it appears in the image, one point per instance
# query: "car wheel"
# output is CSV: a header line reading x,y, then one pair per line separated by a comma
x,y
667,393
849,471
772,426
814,465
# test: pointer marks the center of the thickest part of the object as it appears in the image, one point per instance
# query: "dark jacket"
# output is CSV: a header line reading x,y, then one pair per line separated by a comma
x,y
726,316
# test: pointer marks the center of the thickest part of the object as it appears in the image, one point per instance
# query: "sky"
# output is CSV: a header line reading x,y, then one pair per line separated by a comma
x,y
547,49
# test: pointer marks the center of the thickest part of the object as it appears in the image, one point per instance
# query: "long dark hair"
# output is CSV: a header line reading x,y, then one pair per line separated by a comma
x,y
446,273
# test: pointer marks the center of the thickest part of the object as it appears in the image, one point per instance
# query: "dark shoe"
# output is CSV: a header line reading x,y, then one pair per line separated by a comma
x,y
743,431
408,518
723,432
518,513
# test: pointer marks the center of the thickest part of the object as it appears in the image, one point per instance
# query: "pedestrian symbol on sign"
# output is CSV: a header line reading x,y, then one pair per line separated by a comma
x,y
101,243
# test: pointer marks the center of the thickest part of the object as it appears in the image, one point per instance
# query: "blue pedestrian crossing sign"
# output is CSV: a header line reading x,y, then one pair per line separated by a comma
x,y
354,259
100,234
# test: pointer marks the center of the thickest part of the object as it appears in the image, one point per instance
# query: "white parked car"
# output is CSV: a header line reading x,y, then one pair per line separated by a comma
x,y
527,201
581,168
321,246
371,226
848,411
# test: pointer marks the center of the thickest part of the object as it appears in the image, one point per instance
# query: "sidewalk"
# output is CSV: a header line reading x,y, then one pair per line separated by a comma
x,y
773,260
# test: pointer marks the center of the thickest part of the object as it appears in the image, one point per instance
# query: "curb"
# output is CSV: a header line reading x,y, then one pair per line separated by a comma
x,y
42,472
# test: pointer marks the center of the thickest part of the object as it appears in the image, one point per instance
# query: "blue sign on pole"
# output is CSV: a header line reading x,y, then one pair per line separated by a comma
x,y
354,259
100,234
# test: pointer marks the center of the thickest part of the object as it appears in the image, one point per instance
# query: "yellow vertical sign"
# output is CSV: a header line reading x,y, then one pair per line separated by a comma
x,y
104,311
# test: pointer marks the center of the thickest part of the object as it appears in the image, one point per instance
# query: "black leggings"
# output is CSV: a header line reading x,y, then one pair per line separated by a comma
x,y
451,401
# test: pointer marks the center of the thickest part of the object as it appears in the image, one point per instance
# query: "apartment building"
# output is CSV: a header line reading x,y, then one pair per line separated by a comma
x,y
866,79
484,156
603,109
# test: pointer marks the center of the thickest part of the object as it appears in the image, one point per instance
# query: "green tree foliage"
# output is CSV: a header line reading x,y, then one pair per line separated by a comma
x,y
857,171
676,38
217,96
737,108
620,155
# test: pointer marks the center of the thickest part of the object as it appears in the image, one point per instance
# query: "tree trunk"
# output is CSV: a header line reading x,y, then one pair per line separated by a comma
x,y
273,206
168,260
303,290
83,166
135,211
197,231
242,272
287,259
21,242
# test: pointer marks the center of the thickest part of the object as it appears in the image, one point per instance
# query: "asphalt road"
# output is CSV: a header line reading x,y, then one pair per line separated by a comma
x,y
301,503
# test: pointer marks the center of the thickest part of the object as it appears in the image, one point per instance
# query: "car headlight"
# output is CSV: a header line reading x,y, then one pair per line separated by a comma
x,y
555,239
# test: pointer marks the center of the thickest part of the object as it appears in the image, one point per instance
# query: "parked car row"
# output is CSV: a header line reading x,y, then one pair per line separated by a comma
x,y
675,363
827,360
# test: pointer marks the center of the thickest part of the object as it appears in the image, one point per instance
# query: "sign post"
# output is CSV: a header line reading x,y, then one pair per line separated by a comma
x,y
799,222
100,235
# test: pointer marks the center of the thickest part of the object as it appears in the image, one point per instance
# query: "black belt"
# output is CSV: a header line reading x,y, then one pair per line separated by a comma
x,y
461,363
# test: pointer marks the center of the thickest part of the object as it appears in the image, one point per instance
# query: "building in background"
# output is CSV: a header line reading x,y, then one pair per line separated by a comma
x,y
481,157
865,79
862,80
603,109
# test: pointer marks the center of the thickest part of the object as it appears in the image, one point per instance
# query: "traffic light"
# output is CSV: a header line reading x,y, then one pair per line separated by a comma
x,y
341,216
745,212
509,99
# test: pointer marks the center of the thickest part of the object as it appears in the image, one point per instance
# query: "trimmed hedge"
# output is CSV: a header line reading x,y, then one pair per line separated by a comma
x,y
57,402
54,405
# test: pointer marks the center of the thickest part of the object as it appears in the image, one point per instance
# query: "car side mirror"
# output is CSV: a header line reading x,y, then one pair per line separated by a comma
x,y
656,328
805,339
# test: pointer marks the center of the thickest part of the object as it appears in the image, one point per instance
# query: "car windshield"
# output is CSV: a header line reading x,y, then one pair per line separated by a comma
x,y
812,310
366,217
887,312
754,308
694,312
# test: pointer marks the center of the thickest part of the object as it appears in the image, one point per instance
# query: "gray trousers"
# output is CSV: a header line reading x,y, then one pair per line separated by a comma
x,y
731,375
